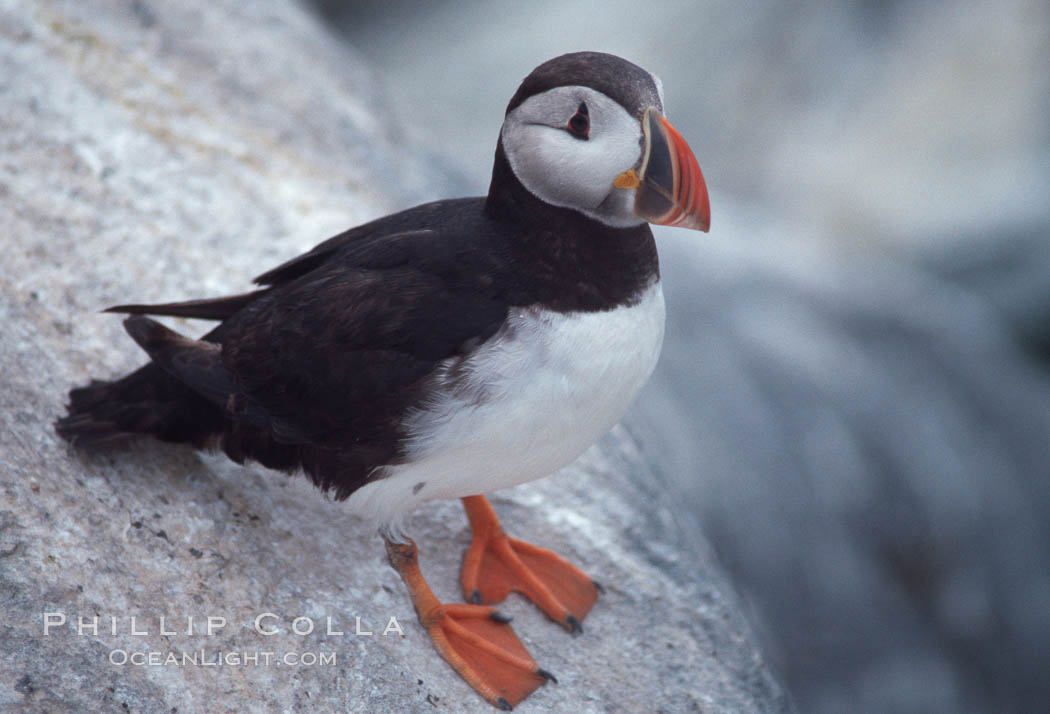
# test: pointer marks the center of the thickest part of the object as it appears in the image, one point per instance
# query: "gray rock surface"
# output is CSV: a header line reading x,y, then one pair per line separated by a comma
x,y
169,150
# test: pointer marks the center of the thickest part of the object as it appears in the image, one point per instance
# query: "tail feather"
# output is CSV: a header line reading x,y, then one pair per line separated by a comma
x,y
184,395
147,401
195,363
176,397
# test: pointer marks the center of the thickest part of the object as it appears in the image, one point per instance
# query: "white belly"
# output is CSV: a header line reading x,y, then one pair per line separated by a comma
x,y
527,402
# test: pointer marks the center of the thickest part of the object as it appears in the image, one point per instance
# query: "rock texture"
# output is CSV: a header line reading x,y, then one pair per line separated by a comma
x,y
170,150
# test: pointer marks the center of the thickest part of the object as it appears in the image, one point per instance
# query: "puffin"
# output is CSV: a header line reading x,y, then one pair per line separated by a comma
x,y
446,351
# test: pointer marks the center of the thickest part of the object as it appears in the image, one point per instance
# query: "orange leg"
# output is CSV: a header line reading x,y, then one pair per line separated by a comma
x,y
475,640
496,564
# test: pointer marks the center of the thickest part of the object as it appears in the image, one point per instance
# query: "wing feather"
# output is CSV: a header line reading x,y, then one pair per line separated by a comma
x,y
207,309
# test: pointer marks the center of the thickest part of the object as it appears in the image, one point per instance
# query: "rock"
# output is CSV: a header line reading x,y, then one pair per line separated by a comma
x,y
163,151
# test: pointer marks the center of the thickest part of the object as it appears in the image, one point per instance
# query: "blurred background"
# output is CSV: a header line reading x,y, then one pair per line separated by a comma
x,y
853,403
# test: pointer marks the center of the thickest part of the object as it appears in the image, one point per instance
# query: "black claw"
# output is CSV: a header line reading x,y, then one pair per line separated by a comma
x,y
500,617
598,586
475,597
504,704
546,675
574,625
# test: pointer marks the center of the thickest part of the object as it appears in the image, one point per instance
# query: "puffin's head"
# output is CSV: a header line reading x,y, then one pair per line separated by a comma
x,y
586,131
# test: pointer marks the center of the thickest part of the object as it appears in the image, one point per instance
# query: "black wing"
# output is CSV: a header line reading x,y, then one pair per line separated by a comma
x,y
317,370
337,355
206,309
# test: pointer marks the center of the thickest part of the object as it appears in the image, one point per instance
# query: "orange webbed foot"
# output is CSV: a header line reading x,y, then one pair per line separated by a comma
x,y
496,564
476,640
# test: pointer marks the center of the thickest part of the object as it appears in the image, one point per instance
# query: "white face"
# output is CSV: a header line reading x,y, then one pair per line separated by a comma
x,y
562,168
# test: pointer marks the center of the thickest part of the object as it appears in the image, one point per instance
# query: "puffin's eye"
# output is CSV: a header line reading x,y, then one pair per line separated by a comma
x,y
580,123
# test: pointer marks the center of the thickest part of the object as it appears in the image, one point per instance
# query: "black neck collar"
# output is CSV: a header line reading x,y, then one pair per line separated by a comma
x,y
575,262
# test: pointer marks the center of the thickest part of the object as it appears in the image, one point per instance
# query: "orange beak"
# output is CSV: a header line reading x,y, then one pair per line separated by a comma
x,y
670,190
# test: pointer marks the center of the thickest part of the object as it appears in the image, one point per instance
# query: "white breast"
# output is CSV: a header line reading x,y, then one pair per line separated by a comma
x,y
526,403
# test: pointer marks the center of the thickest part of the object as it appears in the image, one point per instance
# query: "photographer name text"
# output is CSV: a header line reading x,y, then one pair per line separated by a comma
x,y
266,624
